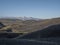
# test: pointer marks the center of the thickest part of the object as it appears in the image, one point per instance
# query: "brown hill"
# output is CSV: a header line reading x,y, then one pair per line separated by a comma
x,y
28,26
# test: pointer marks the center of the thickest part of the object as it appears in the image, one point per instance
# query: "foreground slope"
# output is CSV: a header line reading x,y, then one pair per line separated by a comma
x,y
52,31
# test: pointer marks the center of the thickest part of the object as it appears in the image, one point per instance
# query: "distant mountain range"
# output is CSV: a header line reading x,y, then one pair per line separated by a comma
x,y
29,24
21,18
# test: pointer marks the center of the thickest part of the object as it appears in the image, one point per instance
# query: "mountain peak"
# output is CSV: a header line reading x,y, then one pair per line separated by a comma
x,y
21,18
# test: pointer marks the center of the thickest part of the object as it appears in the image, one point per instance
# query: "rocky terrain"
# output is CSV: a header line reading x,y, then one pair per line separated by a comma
x,y
27,26
30,32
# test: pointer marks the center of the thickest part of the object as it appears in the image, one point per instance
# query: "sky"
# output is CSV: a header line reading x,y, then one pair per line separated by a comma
x,y
30,8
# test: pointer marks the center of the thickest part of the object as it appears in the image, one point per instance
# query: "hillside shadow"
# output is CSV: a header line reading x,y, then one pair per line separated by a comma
x,y
51,31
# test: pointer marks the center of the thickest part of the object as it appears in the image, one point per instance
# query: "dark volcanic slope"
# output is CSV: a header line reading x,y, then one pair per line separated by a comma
x,y
51,31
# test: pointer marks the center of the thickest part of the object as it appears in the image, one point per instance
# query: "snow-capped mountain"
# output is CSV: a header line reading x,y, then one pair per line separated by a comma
x,y
21,18
28,18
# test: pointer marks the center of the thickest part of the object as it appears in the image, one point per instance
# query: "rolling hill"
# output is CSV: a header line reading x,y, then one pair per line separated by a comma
x,y
27,26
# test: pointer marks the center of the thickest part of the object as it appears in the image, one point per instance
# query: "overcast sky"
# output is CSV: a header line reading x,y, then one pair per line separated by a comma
x,y
30,8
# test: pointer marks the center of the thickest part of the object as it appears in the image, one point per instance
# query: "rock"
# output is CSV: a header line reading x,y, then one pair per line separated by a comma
x,y
1,25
